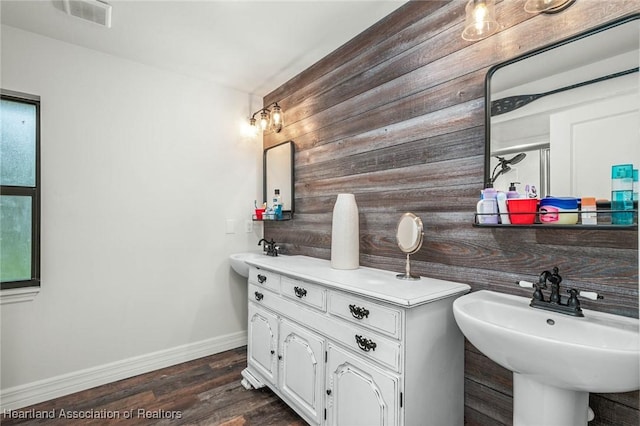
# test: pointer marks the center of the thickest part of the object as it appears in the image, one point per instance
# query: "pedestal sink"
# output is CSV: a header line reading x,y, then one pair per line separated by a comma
x,y
556,359
238,264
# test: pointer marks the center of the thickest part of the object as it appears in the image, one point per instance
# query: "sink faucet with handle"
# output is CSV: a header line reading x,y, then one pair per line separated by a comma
x,y
270,247
571,307
554,279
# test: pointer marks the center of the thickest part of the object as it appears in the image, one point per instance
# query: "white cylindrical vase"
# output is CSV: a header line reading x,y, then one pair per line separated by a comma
x,y
345,233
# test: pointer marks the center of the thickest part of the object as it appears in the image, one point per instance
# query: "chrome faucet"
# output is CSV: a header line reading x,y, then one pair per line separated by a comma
x,y
270,247
555,304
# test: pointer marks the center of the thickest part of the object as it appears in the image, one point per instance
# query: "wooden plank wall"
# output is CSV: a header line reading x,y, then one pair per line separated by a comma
x,y
396,116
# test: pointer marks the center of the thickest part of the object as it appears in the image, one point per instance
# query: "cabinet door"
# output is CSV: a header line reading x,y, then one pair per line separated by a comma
x,y
263,340
301,369
360,394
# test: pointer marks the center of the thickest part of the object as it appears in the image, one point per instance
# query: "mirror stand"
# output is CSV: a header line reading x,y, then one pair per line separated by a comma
x,y
407,271
409,238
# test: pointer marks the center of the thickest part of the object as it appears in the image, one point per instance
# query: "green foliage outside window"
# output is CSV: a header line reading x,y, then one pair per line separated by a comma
x,y
19,206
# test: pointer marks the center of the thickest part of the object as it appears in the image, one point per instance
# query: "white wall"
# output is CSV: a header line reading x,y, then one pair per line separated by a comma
x,y
140,170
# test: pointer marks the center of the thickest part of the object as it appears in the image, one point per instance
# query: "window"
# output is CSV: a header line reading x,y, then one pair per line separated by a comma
x,y
19,190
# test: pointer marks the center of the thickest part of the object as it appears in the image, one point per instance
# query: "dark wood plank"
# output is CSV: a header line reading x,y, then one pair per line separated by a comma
x,y
350,57
453,58
399,121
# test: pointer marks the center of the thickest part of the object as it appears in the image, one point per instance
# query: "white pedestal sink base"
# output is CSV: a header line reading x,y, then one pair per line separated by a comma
x,y
536,404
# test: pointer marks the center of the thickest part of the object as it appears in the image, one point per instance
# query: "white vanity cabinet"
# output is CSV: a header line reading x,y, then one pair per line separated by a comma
x,y
355,347
263,342
358,393
301,373
286,356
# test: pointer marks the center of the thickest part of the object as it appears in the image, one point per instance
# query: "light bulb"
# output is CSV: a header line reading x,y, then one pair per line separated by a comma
x,y
479,15
480,20
264,120
253,127
277,118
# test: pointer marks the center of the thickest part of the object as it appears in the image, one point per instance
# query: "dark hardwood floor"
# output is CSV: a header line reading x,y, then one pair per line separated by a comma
x,y
206,391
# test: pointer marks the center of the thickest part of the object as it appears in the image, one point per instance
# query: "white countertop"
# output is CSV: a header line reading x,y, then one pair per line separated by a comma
x,y
371,282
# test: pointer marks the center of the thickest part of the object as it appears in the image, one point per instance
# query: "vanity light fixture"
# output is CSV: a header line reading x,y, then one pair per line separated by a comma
x,y
547,6
480,15
269,119
480,21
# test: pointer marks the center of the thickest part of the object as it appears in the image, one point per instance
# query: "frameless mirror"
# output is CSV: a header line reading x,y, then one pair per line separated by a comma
x,y
409,237
573,110
278,174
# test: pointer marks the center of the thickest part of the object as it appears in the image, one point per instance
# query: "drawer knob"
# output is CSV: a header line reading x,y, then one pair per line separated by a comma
x,y
259,296
300,292
359,312
262,278
328,391
365,344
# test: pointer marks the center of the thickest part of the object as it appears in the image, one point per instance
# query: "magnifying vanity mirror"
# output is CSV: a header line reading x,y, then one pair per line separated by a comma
x,y
566,113
278,174
409,238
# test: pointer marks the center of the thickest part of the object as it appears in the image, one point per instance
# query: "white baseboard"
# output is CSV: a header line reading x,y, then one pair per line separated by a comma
x,y
44,390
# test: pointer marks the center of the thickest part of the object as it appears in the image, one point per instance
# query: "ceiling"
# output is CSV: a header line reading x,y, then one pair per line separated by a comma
x,y
252,46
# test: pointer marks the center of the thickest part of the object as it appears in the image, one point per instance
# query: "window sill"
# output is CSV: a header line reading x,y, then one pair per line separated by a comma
x,y
18,295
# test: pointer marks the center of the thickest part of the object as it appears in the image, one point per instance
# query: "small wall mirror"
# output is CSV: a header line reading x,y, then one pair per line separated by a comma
x,y
278,174
559,117
409,238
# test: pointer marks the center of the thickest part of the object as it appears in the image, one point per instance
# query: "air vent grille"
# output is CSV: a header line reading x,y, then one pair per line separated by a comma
x,y
89,10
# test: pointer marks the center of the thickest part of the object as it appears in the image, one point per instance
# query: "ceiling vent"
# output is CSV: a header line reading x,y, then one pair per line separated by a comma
x,y
89,10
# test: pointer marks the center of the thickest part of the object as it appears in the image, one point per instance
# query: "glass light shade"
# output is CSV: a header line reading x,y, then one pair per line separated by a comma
x,y
480,21
253,126
540,6
264,120
277,118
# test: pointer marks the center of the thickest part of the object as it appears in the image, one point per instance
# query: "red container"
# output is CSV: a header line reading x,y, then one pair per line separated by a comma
x,y
259,213
522,211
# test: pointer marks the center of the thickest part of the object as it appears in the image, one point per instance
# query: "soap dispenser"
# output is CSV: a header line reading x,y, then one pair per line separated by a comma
x,y
513,193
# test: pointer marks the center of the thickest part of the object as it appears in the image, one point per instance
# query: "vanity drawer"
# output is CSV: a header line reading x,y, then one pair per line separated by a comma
x,y
264,278
384,350
304,292
370,345
262,296
364,312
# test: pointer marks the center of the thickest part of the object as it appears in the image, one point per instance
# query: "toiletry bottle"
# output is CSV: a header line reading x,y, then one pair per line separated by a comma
x,y
622,194
501,198
487,207
588,208
489,193
513,193
277,204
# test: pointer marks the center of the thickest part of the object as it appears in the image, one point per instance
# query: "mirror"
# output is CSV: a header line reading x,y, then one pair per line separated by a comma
x,y
573,110
278,174
409,238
